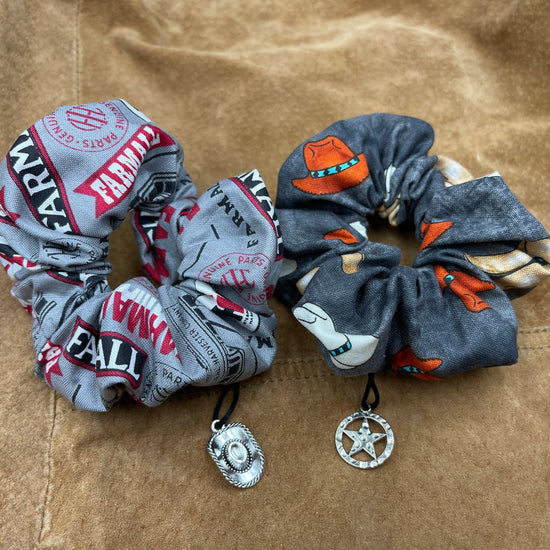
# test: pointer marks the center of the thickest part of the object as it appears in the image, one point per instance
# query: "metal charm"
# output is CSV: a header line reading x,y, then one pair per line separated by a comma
x,y
364,440
237,454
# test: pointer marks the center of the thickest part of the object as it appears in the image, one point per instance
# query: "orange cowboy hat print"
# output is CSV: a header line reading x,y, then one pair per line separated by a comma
x,y
332,166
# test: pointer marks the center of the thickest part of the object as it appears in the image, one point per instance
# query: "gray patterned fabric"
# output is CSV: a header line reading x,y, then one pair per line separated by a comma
x,y
65,185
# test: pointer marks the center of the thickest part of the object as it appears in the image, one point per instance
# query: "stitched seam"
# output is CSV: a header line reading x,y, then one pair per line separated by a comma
x,y
77,51
535,330
295,378
41,532
49,470
255,382
304,360
307,360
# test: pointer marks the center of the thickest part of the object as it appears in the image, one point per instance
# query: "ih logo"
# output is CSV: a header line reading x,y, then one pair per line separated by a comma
x,y
89,128
245,273
117,356
237,278
84,118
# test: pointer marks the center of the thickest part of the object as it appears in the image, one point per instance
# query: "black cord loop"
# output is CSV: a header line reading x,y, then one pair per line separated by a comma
x,y
371,386
219,423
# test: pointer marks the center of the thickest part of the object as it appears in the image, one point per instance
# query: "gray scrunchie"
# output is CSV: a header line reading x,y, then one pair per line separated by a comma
x,y
65,185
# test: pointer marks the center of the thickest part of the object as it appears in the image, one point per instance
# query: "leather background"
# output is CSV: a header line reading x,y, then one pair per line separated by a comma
x,y
241,84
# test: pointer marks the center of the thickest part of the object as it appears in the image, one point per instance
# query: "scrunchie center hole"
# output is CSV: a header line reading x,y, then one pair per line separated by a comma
x,y
402,237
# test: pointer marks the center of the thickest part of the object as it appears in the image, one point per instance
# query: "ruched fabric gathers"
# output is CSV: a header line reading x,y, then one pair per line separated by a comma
x,y
449,312
65,185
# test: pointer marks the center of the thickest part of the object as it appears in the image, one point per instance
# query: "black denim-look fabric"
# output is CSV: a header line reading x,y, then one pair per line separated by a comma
x,y
449,312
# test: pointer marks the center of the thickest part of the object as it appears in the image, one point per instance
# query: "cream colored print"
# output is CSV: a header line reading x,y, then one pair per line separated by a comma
x,y
453,172
523,267
350,262
360,228
389,212
303,283
346,350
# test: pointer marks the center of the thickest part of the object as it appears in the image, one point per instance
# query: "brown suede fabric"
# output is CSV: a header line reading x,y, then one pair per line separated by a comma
x,y
241,84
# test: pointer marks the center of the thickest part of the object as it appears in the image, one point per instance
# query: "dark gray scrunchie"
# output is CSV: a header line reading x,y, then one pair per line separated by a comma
x,y
449,312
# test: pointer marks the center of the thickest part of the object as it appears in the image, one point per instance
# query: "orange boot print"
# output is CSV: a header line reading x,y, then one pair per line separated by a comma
x,y
464,286
406,360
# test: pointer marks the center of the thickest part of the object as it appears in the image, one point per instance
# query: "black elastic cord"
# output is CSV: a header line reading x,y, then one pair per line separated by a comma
x,y
371,385
226,389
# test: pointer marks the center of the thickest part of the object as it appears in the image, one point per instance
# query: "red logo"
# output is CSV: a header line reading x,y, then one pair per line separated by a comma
x,y
245,273
84,118
237,278
90,128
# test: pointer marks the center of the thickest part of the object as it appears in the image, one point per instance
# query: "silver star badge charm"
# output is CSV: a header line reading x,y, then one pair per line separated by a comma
x,y
364,439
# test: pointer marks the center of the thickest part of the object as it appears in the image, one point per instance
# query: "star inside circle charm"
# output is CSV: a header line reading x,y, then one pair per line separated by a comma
x,y
364,439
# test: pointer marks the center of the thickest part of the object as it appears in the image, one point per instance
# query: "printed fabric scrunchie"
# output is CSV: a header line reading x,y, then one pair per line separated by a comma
x,y
65,185
449,312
